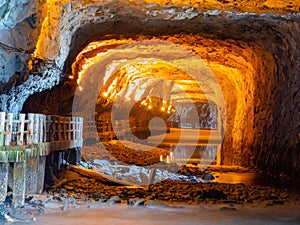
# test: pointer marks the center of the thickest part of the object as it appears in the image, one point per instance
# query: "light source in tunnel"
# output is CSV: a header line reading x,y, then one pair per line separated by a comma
x,y
152,105
165,73
149,68
148,111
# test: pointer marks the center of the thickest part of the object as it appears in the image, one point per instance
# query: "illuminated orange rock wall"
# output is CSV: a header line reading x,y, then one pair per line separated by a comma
x,y
253,50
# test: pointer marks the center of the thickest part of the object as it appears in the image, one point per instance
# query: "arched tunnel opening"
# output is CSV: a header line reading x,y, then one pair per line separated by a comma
x,y
180,104
243,64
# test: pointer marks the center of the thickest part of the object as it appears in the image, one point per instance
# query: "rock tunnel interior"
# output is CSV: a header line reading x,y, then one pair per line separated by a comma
x,y
244,61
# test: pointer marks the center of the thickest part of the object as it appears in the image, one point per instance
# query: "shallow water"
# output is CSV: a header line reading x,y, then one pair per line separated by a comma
x,y
250,178
191,215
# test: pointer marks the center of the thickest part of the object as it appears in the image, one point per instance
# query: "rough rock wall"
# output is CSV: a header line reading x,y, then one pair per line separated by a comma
x,y
20,26
263,123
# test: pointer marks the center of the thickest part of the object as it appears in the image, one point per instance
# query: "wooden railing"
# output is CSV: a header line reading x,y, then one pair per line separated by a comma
x,y
107,130
37,128
27,142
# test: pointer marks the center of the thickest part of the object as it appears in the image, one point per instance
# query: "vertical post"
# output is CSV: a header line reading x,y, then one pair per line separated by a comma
x,y
10,182
31,174
41,128
59,129
9,124
63,128
73,127
30,128
80,127
52,129
20,138
45,133
55,161
2,128
3,181
35,136
49,129
41,174
65,131
56,127
69,127
19,183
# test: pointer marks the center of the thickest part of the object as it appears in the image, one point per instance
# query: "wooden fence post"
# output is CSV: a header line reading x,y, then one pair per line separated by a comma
x,y
30,128
3,180
45,134
73,127
59,129
41,128
41,174
32,174
2,128
80,127
76,128
68,128
36,129
53,133
9,124
19,183
49,129
64,127
20,137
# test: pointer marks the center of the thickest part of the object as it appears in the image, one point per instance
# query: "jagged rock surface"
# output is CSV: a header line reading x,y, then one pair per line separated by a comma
x,y
255,56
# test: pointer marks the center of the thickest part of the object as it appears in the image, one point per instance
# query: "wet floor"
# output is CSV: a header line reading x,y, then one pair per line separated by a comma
x,y
192,215
251,178
189,215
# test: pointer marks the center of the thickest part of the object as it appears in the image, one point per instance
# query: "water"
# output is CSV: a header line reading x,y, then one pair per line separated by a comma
x,y
250,178
191,215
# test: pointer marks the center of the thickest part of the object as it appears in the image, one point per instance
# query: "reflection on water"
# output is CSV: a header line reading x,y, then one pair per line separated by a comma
x,y
195,154
193,215
250,178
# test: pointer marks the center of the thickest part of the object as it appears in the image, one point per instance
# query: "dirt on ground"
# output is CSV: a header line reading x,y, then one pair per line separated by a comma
x,y
200,188
85,186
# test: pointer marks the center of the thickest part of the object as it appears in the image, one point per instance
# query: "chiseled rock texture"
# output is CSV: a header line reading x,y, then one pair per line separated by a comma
x,y
251,46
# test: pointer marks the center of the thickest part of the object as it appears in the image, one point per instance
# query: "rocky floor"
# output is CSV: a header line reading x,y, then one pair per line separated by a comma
x,y
82,188
87,186
181,184
93,190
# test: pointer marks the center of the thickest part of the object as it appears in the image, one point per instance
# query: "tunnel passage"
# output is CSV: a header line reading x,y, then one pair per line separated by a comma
x,y
250,67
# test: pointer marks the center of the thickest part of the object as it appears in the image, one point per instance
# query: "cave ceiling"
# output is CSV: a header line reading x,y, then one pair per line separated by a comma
x,y
251,48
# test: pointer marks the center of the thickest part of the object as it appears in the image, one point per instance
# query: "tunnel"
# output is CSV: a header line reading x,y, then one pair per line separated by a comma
x,y
252,58
139,73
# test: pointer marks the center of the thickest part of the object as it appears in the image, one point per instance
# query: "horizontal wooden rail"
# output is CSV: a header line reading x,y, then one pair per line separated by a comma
x,y
102,129
27,129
